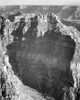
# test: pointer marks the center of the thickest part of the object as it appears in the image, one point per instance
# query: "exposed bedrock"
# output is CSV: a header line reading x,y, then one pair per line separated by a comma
x,y
42,63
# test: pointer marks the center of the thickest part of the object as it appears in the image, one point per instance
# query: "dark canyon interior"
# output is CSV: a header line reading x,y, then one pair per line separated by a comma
x,y
42,63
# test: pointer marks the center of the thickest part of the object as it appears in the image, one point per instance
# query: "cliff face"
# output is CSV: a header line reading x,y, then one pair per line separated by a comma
x,y
39,52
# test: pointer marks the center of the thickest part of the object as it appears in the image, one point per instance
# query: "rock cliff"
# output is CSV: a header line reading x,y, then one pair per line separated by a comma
x,y
39,58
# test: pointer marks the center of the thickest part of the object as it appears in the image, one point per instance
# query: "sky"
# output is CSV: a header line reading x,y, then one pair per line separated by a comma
x,y
39,2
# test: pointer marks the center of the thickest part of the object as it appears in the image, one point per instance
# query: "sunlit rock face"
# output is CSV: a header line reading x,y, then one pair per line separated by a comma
x,y
42,62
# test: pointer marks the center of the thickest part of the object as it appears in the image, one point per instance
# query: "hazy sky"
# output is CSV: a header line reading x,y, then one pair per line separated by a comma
x,y
40,2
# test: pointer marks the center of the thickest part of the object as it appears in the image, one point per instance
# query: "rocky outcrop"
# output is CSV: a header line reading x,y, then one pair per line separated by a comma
x,y
39,58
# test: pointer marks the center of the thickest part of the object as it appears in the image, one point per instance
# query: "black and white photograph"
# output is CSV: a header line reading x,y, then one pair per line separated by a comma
x,y
40,50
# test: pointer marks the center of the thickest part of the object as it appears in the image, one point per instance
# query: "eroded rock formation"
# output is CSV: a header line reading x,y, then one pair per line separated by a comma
x,y
39,58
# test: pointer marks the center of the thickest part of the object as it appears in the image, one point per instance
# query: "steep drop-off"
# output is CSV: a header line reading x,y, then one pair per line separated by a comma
x,y
39,57
43,63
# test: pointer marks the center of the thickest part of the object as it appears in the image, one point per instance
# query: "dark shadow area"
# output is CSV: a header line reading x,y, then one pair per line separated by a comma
x,y
12,16
43,63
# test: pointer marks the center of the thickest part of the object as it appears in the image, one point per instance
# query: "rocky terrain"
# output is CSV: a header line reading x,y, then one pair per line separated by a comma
x,y
39,56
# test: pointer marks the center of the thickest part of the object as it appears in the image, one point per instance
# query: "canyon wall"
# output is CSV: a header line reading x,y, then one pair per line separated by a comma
x,y
39,58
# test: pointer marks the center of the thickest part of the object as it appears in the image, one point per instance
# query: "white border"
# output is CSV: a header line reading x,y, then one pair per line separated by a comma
x,y
39,2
